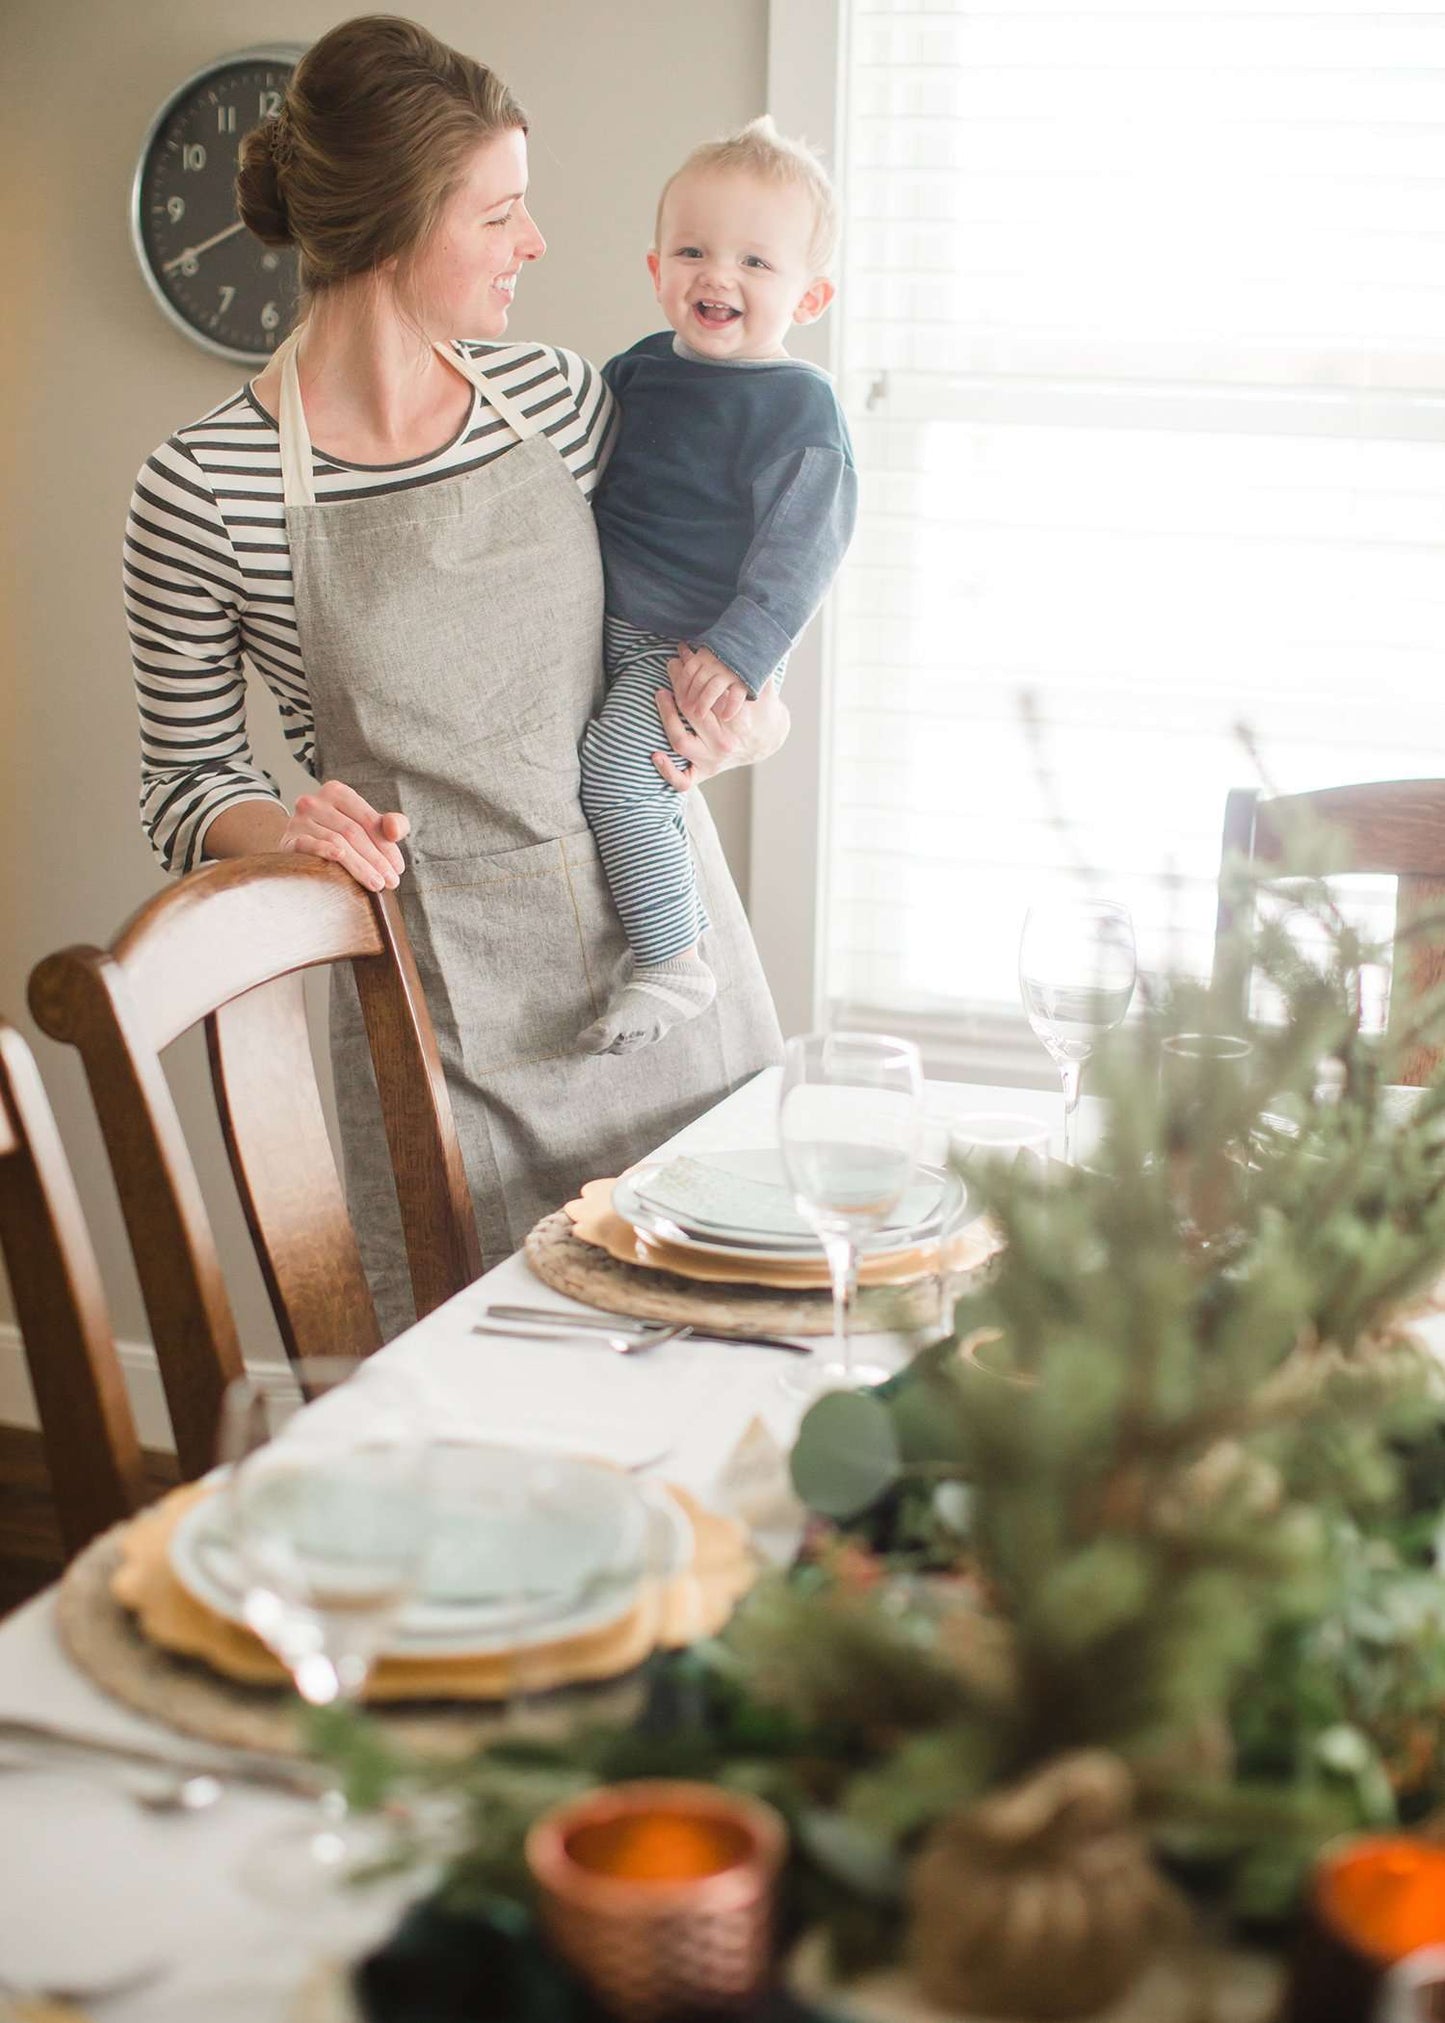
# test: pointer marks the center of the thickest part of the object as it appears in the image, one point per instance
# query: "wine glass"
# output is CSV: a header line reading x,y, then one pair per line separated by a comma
x,y
849,1122
327,1520
1077,967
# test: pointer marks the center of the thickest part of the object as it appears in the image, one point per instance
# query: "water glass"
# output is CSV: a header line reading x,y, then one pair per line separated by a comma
x,y
328,1520
1077,968
999,1138
849,1124
1202,1079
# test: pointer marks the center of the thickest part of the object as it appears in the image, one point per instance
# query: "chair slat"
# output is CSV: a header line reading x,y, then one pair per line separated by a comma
x,y
285,1173
442,1247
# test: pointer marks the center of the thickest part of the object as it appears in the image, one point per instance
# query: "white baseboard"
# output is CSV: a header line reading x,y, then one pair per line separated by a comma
x,y
142,1378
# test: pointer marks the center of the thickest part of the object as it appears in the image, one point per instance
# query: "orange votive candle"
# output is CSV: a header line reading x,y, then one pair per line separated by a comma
x,y
1374,1902
659,1894
662,1847
1386,1896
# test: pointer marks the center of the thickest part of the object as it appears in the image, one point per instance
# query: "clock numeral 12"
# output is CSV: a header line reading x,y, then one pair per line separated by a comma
x,y
270,104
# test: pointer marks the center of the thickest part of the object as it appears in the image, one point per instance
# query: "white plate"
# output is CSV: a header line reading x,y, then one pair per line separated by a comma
x,y
444,1621
634,1199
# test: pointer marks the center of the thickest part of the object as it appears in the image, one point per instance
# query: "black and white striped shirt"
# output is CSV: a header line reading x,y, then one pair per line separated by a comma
x,y
208,586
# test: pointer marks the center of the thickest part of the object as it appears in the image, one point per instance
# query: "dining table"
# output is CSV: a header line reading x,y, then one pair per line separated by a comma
x,y
144,1916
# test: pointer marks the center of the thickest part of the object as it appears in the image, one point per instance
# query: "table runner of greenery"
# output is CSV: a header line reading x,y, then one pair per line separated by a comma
x,y
1147,1610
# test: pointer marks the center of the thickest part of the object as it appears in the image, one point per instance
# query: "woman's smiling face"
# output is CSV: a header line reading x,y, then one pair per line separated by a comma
x,y
464,277
733,267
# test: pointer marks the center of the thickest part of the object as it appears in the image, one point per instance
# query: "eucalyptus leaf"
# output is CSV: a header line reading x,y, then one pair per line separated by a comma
x,y
847,1454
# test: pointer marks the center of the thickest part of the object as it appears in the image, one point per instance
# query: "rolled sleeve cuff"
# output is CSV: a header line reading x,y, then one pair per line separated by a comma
x,y
749,641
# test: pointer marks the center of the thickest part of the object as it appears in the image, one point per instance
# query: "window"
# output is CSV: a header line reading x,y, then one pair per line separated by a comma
x,y
1142,338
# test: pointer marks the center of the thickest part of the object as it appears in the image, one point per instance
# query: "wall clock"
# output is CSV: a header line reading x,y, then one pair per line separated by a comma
x,y
212,279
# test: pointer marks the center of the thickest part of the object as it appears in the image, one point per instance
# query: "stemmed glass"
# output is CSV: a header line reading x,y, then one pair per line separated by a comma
x,y
1077,967
849,1122
328,1521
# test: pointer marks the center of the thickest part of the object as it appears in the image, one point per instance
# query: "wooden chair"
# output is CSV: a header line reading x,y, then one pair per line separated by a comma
x,y
89,1434
227,945
1390,827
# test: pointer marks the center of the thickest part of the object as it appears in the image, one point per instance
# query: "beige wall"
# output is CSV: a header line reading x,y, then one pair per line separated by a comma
x,y
93,378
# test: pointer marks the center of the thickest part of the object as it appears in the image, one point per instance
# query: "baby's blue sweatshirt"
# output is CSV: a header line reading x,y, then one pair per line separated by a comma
x,y
728,502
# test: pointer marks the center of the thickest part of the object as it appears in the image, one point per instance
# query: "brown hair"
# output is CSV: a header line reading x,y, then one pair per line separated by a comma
x,y
758,149
374,134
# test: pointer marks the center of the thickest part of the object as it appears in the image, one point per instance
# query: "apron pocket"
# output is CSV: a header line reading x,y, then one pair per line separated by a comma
x,y
502,943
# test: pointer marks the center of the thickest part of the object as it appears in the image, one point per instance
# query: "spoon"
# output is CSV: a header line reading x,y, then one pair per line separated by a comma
x,y
160,1794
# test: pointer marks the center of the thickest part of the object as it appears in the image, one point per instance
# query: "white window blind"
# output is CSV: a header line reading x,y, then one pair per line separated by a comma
x,y
1143,345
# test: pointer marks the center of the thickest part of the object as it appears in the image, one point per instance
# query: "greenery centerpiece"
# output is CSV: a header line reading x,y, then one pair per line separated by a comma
x,y
1132,1585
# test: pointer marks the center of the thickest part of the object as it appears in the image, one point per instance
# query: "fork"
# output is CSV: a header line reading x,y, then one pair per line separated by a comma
x,y
646,1334
620,1341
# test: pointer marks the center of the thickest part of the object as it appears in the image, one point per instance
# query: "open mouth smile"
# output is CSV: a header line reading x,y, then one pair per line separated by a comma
x,y
717,315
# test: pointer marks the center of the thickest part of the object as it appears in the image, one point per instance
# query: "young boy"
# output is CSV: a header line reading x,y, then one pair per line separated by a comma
x,y
727,506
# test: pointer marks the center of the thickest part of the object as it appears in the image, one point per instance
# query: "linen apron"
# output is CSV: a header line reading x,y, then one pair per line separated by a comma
x,y
452,640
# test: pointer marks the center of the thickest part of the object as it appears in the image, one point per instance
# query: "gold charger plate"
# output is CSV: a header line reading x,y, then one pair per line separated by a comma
x,y
692,1605
596,1221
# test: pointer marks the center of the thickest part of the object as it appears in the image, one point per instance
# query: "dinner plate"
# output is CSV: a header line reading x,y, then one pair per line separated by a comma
x,y
671,1206
561,1565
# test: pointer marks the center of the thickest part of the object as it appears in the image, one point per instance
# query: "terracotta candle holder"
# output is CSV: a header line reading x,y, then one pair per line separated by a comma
x,y
660,1895
1373,1903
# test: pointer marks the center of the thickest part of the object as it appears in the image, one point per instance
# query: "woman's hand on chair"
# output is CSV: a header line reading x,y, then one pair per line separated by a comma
x,y
710,746
337,823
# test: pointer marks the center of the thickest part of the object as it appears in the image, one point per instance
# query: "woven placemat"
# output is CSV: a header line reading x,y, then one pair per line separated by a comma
x,y
584,1272
103,1639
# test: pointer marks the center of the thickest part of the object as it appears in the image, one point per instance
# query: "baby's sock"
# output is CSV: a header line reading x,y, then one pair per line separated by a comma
x,y
652,997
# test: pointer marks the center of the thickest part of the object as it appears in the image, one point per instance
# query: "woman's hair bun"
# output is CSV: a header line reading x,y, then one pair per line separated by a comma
x,y
259,198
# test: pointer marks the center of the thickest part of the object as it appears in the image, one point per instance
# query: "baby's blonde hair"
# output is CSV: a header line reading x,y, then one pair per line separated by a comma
x,y
758,149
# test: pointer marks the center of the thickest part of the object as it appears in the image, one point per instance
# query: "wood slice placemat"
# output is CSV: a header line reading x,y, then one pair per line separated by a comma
x,y
103,1639
585,1273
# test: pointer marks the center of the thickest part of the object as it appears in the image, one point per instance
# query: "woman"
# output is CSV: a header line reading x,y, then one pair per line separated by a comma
x,y
391,524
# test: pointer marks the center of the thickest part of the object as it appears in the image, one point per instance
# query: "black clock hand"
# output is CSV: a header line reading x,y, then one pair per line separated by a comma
x,y
195,252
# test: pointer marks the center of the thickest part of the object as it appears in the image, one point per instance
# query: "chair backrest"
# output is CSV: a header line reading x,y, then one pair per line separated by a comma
x,y
1389,827
91,1447
227,945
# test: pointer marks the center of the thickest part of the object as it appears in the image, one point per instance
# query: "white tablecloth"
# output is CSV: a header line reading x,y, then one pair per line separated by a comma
x,y
90,1885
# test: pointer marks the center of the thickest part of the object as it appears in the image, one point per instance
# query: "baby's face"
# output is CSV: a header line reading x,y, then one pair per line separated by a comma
x,y
732,267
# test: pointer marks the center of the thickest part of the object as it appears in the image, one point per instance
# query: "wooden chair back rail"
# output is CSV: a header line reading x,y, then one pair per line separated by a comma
x,y
205,940
89,1434
227,945
1391,828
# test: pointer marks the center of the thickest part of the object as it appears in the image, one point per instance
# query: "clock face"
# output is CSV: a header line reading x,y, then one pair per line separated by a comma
x,y
211,277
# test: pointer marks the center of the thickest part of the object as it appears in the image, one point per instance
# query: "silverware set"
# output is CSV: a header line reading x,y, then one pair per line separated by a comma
x,y
157,1781
622,1333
